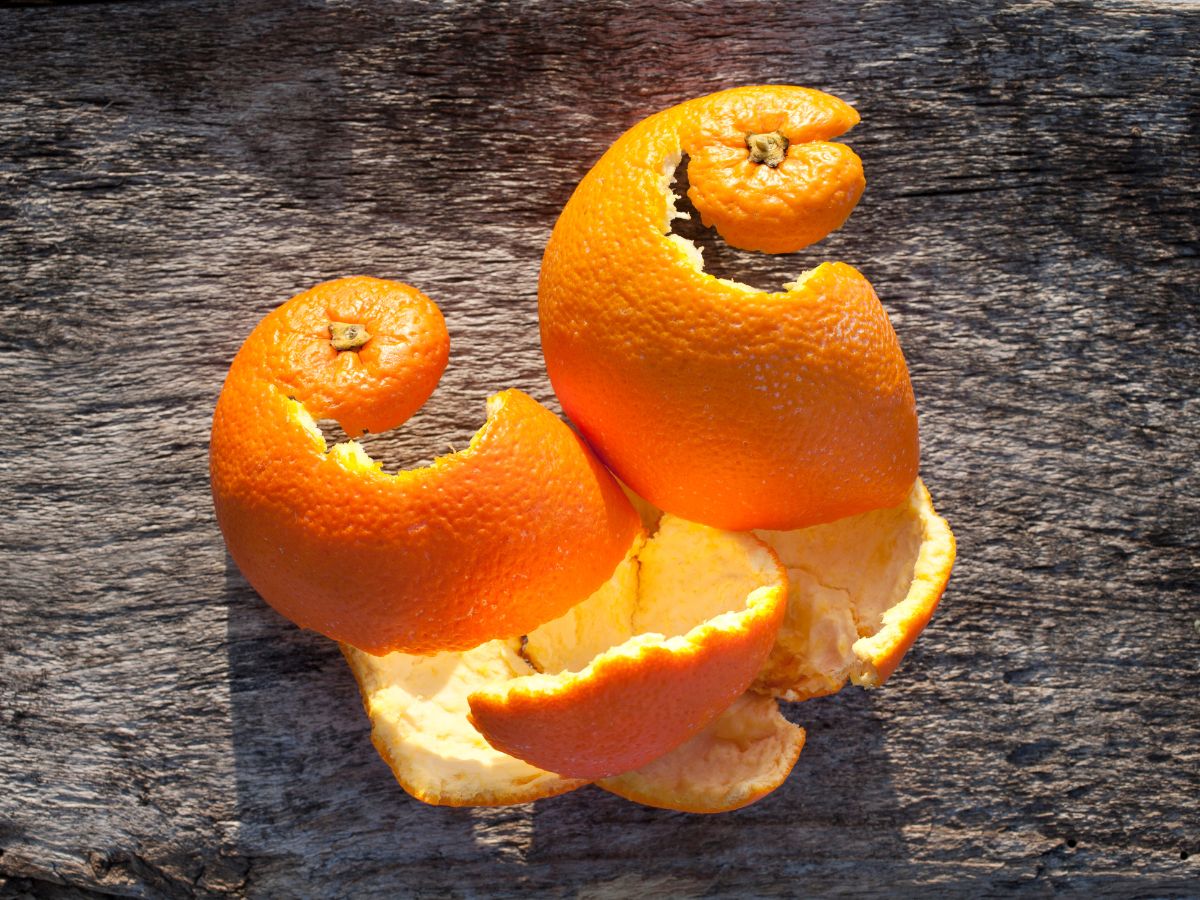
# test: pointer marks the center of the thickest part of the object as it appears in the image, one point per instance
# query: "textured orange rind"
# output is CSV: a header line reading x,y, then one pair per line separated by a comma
x,y
707,608
421,726
715,401
485,543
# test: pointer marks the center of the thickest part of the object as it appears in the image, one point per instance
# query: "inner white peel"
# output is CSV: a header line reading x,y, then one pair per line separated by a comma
x,y
687,576
352,456
686,249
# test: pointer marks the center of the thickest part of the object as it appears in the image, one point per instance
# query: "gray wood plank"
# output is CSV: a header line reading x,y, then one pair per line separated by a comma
x,y
171,171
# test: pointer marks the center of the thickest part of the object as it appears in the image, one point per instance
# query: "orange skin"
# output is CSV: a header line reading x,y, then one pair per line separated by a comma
x,y
735,408
488,542
577,728
696,777
923,596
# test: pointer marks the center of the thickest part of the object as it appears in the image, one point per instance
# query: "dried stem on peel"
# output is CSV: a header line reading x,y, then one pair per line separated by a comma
x,y
347,335
769,148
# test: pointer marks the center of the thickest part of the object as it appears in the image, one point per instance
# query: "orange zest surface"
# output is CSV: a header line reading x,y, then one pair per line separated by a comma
x,y
715,401
638,669
486,543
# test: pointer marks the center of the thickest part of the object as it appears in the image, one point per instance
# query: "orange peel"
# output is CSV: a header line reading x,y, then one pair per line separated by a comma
x,y
486,543
860,591
715,401
418,711
740,757
635,671
422,727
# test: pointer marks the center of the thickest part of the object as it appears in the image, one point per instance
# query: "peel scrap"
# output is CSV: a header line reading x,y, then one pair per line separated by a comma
x,y
744,754
624,683
418,711
860,591
740,750
485,543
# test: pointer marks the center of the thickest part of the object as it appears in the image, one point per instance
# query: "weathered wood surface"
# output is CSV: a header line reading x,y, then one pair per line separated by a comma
x,y
171,171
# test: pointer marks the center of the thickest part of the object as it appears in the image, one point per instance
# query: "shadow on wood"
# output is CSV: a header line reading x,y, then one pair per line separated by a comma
x,y
315,801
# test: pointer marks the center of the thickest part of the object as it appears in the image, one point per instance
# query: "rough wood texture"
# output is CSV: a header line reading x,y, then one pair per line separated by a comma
x,y
171,171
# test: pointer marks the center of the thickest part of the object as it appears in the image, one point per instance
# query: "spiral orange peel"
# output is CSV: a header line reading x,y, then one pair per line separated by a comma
x,y
420,706
518,627
715,401
485,543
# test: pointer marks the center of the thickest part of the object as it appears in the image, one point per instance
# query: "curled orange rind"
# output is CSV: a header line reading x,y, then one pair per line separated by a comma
x,y
731,749
860,591
517,625
631,674
485,543
418,711
741,756
718,402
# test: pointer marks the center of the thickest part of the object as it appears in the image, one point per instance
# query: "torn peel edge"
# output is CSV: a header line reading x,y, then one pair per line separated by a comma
x,y
861,590
879,655
492,779
353,457
693,256
740,757
650,675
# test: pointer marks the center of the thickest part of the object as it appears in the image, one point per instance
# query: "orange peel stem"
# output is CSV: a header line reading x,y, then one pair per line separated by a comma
x,y
486,543
720,403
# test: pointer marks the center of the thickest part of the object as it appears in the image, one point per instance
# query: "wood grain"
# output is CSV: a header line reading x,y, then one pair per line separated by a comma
x,y
171,171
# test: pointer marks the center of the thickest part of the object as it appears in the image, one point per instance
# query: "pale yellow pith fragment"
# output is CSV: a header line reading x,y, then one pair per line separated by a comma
x,y
418,711
687,251
683,582
857,588
353,457
748,751
687,573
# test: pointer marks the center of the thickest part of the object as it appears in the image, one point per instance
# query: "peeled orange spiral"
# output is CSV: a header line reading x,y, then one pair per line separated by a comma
x,y
489,542
715,401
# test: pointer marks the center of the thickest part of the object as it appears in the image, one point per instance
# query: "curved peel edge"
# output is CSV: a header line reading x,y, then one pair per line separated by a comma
x,y
744,754
418,711
861,590
879,655
668,678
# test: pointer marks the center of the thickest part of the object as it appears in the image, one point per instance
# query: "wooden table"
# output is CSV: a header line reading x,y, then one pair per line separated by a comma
x,y
171,171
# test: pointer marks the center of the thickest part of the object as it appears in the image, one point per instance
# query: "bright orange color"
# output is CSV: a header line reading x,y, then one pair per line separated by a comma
x,y
485,543
661,686
759,207
712,400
